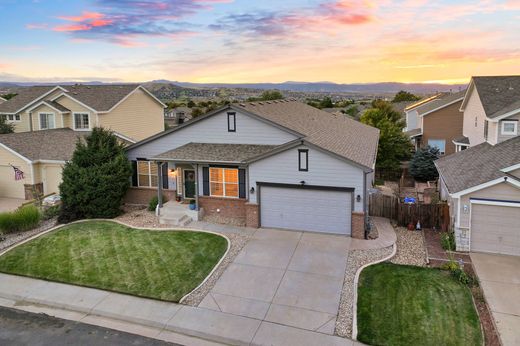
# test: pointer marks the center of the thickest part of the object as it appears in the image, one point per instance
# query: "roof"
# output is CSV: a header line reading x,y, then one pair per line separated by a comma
x,y
211,152
461,140
24,96
55,144
421,102
58,106
440,102
337,134
478,164
414,133
499,94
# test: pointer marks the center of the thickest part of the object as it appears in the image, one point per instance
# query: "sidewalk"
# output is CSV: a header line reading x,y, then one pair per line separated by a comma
x,y
386,238
151,318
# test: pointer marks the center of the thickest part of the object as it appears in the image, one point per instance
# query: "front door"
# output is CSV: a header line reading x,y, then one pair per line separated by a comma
x,y
189,183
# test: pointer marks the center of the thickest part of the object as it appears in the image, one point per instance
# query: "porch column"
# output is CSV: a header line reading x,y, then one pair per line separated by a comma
x,y
159,186
197,186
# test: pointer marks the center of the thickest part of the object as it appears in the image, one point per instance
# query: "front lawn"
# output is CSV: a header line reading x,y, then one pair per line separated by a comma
x,y
407,305
163,265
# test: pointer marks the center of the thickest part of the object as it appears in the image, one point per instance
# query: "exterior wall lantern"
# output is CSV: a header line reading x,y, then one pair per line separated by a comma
x,y
252,190
358,198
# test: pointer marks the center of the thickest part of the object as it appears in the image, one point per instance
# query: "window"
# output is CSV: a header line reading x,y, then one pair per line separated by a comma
x,y
303,160
476,121
510,128
146,174
486,126
231,122
47,121
439,144
81,121
223,182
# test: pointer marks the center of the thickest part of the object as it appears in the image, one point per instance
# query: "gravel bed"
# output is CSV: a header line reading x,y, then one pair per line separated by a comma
x,y
238,241
356,259
140,216
14,238
410,248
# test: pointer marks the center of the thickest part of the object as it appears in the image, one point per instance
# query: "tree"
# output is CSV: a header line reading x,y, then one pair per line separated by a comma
x,y
96,179
352,111
8,96
5,127
270,95
394,145
326,103
422,167
405,96
190,104
196,112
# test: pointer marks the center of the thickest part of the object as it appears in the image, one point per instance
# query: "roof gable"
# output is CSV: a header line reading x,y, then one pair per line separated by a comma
x,y
26,97
499,95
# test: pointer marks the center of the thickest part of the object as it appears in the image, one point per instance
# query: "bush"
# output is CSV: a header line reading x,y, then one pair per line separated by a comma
x,y
152,205
448,241
459,274
422,167
50,212
23,219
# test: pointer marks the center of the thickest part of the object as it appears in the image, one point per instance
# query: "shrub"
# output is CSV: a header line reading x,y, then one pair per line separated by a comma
x,y
448,241
422,167
460,275
22,219
50,212
451,265
152,205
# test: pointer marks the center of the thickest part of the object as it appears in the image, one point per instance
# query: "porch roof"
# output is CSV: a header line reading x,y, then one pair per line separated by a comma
x,y
213,152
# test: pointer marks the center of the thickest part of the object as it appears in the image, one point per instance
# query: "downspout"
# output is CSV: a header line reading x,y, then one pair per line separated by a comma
x,y
365,209
197,187
159,188
30,122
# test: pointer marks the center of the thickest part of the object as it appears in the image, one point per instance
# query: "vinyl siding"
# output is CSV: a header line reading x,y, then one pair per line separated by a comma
x,y
50,177
502,137
411,120
446,124
515,173
214,130
76,107
324,170
474,110
502,191
58,119
138,117
24,124
9,187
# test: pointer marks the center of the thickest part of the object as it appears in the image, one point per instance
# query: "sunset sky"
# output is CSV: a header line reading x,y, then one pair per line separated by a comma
x,y
258,41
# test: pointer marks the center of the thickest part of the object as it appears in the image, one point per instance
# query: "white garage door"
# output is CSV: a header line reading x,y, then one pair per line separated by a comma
x,y
305,209
495,229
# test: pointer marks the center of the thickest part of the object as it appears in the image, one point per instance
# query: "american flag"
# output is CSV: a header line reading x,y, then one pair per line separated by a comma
x,y
18,174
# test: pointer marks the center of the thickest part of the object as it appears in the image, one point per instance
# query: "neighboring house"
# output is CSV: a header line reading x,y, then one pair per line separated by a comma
x,y
491,110
177,116
482,183
280,164
49,119
439,123
411,114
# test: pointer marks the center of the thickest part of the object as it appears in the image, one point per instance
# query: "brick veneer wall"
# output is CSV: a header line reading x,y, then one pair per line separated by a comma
x,y
358,225
33,191
232,208
139,195
252,215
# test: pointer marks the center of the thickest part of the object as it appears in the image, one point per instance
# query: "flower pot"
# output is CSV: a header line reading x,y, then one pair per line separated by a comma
x,y
192,206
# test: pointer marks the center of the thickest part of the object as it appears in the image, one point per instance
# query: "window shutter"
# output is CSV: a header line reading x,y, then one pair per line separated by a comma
x,y
205,181
242,183
165,175
134,173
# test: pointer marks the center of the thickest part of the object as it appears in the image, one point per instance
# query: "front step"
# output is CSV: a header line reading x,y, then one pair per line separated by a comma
x,y
175,219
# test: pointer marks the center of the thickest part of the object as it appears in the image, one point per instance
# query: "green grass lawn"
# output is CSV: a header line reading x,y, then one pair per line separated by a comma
x,y
407,305
155,264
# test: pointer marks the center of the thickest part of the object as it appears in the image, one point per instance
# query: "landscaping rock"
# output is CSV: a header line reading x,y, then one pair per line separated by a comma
x,y
14,238
410,248
139,216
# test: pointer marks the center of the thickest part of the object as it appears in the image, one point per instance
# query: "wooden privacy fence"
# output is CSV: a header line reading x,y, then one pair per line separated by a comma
x,y
429,215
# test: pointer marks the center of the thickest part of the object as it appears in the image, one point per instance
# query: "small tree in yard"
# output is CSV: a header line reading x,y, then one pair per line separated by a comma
x,y
96,179
5,127
422,167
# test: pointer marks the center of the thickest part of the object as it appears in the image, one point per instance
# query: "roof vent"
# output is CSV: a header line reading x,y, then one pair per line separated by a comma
x,y
260,103
251,103
268,102
511,87
242,105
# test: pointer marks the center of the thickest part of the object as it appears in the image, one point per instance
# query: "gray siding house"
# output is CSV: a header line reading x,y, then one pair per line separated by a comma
x,y
277,164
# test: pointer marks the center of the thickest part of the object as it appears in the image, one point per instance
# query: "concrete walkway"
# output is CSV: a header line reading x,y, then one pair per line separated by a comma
x,y
386,238
10,204
151,318
499,277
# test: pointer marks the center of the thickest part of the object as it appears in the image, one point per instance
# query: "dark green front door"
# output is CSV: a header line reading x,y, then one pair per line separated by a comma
x,y
189,183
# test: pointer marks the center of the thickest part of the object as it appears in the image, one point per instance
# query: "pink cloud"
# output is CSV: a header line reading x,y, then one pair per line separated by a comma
x,y
84,16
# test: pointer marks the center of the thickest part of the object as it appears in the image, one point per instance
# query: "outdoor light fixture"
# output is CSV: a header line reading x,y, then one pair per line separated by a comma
x,y
358,198
172,173
252,190
302,182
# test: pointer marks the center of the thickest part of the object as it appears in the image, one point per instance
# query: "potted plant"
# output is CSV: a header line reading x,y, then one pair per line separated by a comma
x,y
178,198
193,206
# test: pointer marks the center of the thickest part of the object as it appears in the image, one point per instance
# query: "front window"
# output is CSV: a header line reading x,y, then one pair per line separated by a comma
x,y
232,122
223,182
146,174
509,128
81,121
303,160
47,121
439,144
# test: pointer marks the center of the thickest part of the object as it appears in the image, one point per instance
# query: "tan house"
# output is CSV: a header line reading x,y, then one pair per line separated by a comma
x,y
49,120
482,182
439,122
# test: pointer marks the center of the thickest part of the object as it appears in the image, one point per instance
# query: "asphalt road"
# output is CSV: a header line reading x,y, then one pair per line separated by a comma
x,y
25,328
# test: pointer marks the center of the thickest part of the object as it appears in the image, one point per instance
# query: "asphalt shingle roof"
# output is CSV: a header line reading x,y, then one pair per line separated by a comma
x,y
462,140
210,152
441,101
478,164
498,94
58,106
23,97
55,144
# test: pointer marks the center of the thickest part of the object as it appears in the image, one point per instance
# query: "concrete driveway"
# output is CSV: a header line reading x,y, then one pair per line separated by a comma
x,y
500,279
10,204
289,278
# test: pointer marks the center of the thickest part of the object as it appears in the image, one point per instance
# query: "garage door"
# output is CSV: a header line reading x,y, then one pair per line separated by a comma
x,y
495,229
51,179
305,209
9,187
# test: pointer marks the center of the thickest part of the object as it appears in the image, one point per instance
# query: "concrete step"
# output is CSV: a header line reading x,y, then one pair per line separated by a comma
x,y
175,219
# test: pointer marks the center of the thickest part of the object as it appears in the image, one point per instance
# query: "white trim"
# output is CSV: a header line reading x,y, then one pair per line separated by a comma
x,y
40,121
493,182
33,181
503,116
74,122
503,123
130,94
150,186
39,98
15,153
496,203
44,102
511,168
60,162
73,99
224,183
117,134
467,94
441,107
2,99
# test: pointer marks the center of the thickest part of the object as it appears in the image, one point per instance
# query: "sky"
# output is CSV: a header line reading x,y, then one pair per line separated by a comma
x,y
239,41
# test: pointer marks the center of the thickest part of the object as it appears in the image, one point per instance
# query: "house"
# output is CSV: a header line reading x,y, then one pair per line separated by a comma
x,y
177,116
49,120
412,115
439,123
482,182
279,164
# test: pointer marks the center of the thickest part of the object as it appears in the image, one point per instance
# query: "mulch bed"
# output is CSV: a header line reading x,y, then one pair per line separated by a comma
x,y
437,256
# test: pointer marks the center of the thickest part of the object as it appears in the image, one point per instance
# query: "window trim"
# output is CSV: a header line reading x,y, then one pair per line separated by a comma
x,y
224,183
300,152
40,120
74,121
149,186
440,140
504,122
234,129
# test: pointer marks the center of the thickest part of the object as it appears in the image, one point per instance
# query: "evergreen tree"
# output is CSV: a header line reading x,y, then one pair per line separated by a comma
x,y
422,167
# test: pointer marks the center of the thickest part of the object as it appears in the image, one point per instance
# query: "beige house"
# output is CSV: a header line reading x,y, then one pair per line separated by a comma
x,y
481,181
49,120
